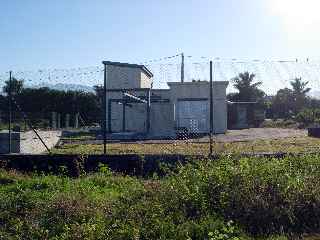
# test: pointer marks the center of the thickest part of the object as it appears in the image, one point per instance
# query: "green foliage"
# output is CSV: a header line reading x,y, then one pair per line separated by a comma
x,y
265,196
15,86
223,199
280,123
248,90
308,117
104,169
38,103
282,105
288,102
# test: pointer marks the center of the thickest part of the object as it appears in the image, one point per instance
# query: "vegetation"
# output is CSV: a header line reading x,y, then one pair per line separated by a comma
x,y
279,123
248,90
287,103
290,104
39,103
299,91
222,199
308,117
301,144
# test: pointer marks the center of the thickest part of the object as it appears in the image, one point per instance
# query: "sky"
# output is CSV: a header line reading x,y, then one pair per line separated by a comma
x,y
38,34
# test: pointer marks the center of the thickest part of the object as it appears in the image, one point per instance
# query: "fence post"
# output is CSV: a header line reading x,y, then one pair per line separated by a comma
x,y
67,121
182,67
54,120
211,108
58,120
76,120
148,110
10,109
105,110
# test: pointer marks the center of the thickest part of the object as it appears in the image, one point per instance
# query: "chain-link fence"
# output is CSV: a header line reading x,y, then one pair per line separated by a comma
x,y
161,107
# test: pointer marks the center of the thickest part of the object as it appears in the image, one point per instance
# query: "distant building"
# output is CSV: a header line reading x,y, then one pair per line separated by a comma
x,y
243,115
134,107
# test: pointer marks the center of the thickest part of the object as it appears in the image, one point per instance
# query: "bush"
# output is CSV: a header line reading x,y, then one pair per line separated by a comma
x,y
265,196
228,198
279,123
308,117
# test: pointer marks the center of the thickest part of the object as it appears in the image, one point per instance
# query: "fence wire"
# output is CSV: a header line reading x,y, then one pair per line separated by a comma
x,y
65,106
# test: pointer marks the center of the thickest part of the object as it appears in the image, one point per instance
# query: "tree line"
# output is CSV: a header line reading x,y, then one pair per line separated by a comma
x,y
287,103
39,103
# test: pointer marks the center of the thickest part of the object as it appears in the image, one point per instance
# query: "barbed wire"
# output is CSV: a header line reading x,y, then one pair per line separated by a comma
x,y
274,74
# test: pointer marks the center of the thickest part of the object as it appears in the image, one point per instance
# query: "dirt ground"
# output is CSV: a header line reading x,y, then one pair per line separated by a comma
x,y
250,134
243,135
259,134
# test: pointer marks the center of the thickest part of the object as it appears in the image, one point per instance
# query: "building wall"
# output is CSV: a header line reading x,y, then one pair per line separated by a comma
x,y
220,116
200,91
145,80
163,93
163,115
135,115
162,122
123,77
120,77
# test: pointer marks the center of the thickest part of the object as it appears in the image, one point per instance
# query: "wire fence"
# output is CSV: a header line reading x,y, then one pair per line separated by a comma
x,y
63,110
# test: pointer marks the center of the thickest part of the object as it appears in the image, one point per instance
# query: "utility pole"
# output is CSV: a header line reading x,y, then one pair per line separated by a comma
x,y
105,110
10,108
182,67
211,108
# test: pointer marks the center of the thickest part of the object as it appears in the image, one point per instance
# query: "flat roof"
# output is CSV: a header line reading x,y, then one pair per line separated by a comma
x,y
130,65
199,83
231,102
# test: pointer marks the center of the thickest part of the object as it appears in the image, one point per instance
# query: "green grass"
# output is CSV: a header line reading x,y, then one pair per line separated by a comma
x,y
48,207
80,136
280,123
235,199
292,145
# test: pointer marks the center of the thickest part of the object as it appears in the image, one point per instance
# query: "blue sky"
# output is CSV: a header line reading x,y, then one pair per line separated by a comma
x,y
38,34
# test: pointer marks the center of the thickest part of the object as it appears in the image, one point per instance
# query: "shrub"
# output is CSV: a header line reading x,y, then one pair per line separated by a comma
x,y
308,116
265,196
229,198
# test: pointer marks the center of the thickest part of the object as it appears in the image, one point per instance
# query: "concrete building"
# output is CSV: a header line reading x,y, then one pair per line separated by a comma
x,y
134,107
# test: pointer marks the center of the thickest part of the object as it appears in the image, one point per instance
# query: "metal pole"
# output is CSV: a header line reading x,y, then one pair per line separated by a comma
x,y
10,108
211,108
148,110
123,114
182,67
105,110
29,123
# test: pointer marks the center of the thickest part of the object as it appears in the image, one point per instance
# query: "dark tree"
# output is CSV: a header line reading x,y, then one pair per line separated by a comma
x,y
16,86
299,92
283,104
248,90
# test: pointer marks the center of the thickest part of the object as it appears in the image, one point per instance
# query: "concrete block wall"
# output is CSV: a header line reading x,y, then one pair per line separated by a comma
x,y
4,142
162,120
126,77
200,90
28,142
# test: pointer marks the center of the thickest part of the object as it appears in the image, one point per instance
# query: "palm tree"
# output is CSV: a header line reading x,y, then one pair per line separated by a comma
x,y
16,86
248,90
299,91
299,87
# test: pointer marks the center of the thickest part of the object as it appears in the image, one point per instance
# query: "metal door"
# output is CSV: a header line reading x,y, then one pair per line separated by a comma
x,y
193,115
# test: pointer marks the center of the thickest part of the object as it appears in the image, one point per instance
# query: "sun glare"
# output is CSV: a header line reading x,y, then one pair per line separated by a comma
x,y
297,15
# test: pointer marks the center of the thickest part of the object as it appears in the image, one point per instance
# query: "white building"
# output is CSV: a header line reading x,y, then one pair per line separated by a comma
x,y
133,106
